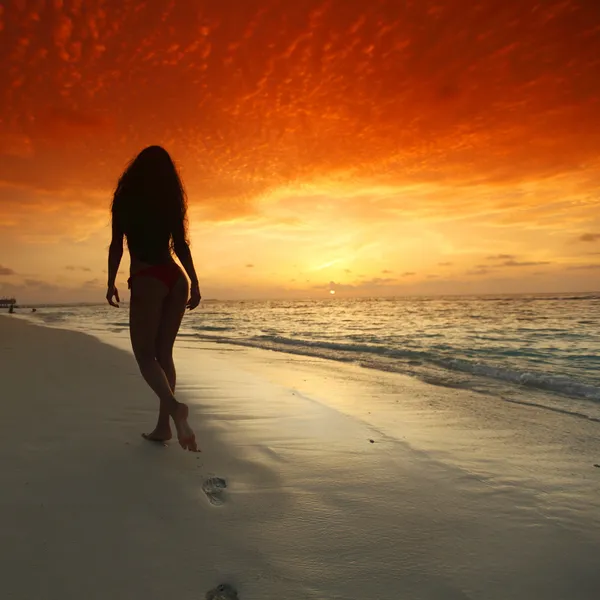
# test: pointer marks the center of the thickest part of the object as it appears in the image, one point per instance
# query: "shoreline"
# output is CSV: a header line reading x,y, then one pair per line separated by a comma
x,y
455,497
535,382
461,411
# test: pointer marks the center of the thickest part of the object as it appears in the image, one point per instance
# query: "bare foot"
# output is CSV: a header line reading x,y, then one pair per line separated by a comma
x,y
185,435
161,435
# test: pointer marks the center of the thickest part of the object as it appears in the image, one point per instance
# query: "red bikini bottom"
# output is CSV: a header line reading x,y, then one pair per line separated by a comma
x,y
168,273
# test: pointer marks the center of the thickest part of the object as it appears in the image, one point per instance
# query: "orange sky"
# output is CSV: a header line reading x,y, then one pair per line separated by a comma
x,y
375,147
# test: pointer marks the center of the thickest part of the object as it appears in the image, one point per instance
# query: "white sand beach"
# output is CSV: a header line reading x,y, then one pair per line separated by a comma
x,y
343,483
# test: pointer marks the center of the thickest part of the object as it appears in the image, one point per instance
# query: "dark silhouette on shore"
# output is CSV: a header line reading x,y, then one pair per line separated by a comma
x,y
149,209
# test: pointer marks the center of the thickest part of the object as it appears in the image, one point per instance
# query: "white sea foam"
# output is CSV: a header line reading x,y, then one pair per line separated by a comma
x,y
503,344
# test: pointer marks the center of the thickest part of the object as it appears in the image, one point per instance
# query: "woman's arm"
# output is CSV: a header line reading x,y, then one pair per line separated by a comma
x,y
115,253
183,253
182,250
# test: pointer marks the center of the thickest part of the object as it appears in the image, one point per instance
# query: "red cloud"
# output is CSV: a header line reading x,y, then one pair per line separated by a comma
x,y
590,237
272,95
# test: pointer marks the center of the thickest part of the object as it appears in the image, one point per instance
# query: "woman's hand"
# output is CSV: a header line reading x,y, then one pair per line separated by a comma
x,y
110,292
194,297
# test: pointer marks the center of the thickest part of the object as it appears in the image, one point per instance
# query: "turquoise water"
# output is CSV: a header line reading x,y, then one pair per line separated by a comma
x,y
536,349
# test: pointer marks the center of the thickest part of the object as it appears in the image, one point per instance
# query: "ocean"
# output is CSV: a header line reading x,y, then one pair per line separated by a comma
x,y
542,350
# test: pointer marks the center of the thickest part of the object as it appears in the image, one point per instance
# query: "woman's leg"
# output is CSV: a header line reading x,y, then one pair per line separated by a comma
x,y
145,314
173,309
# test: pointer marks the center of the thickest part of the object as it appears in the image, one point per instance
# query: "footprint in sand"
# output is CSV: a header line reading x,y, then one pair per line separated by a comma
x,y
213,487
222,592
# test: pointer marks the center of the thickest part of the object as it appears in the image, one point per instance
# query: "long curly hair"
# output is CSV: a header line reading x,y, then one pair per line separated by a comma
x,y
150,191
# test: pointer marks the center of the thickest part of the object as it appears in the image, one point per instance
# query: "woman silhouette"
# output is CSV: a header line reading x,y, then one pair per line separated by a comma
x,y
149,209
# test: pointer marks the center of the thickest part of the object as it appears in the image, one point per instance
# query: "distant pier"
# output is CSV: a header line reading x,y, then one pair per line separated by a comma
x,y
7,302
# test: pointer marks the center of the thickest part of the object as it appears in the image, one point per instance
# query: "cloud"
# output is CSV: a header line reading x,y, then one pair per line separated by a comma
x,y
40,285
503,260
445,264
6,271
584,267
39,215
450,118
479,270
589,237
386,272
77,268
39,291
332,285
516,263
501,257
408,274
95,282
35,283
16,145
249,266
347,271
64,123
378,281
